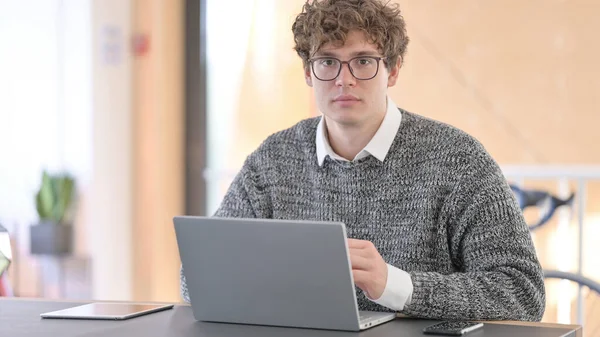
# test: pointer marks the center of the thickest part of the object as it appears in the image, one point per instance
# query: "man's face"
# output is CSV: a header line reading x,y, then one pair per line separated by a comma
x,y
347,100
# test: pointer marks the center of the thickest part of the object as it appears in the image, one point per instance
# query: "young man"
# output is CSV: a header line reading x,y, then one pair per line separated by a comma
x,y
435,229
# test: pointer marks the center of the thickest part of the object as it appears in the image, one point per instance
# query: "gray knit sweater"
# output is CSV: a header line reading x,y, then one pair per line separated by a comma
x,y
438,208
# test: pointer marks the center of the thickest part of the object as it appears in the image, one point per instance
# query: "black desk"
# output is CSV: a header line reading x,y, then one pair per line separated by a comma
x,y
21,318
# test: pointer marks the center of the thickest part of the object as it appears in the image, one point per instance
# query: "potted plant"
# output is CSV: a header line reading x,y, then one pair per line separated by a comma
x,y
54,201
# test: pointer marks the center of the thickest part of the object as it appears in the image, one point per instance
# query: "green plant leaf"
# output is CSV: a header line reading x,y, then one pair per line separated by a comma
x,y
65,197
45,198
55,197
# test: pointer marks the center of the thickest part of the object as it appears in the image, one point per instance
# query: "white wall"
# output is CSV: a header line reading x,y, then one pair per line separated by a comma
x,y
30,84
111,217
45,111
65,99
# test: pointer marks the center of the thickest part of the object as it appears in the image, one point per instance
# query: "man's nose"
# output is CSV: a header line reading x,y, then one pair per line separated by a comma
x,y
345,78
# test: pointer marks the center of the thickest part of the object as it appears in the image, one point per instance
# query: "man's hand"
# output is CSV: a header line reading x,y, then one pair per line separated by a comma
x,y
368,268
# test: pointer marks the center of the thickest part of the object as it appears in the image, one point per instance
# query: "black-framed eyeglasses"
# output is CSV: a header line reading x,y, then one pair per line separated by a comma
x,y
361,67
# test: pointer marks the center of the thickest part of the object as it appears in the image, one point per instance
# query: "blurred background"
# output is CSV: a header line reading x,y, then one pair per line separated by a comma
x,y
116,115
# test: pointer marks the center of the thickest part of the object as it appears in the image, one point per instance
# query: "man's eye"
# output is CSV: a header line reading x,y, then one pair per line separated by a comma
x,y
327,62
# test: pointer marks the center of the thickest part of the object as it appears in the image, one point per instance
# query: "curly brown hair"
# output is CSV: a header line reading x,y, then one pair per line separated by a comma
x,y
330,21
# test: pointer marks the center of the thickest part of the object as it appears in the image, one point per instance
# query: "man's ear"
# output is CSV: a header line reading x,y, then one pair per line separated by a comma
x,y
393,75
307,76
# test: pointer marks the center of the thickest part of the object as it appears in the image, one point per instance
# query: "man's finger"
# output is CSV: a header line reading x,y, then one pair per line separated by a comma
x,y
360,252
361,278
359,262
357,244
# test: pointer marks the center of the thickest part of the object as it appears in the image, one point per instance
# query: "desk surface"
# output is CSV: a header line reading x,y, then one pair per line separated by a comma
x,y
21,318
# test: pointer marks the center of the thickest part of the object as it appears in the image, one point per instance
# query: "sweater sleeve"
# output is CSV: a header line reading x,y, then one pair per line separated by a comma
x,y
235,204
499,276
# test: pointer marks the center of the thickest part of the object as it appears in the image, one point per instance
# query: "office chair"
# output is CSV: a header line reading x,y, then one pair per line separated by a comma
x,y
547,202
590,299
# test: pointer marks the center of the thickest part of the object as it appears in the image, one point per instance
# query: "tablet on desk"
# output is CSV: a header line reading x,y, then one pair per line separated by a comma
x,y
110,311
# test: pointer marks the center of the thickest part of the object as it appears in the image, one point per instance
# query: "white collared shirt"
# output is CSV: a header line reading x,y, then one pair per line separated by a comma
x,y
399,287
378,146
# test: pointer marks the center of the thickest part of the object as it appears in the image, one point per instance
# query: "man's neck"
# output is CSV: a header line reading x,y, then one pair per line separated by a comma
x,y
348,140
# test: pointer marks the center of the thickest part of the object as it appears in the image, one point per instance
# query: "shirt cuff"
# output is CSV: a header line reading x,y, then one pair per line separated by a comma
x,y
398,289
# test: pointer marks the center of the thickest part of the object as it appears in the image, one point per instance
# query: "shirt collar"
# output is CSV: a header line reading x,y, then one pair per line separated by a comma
x,y
378,146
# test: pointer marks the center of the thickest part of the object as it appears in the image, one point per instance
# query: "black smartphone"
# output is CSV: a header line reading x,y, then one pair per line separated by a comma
x,y
452,328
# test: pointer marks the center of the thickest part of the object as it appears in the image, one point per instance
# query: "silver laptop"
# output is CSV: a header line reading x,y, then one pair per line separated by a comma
x,y
271,272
